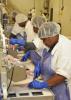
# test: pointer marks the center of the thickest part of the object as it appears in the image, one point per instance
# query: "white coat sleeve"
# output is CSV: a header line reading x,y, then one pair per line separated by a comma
x,y
64,67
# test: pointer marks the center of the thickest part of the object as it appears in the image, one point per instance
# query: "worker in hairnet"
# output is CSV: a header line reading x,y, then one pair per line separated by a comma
x,y
55,66
29,30
18,34
37,43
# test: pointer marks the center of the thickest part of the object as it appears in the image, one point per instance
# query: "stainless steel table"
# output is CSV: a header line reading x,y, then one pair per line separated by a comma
x,y
21,93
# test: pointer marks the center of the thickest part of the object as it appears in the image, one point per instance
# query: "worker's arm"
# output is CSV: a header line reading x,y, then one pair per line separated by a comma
x,y
12,36
29,46
55,80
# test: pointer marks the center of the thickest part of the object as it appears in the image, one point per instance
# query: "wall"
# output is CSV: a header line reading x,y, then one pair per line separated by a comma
x,y
25,5
64,17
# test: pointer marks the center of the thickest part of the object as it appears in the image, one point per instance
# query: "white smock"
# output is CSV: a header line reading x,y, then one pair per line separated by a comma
x,y
61,59
29,31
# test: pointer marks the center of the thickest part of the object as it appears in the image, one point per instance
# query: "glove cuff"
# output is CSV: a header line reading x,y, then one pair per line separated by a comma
x,y
46,84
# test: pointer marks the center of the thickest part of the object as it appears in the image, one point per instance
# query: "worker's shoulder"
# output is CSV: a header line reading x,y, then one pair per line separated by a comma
x,y
64,41
65,46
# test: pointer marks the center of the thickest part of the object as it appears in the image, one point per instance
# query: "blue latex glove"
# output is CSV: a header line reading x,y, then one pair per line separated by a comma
x,y
20,48
20,42
37,70
13,41
26,56
38,85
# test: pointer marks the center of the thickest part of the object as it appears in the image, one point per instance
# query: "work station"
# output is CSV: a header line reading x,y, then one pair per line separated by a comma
x,y
35,50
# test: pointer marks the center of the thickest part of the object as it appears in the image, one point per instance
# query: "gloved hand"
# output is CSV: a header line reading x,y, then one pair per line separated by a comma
x,y
13,41
20,48
26,56
38,85
37,70
20,42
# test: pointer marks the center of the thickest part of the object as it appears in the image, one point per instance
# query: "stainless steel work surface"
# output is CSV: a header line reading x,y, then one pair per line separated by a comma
x,y
24,93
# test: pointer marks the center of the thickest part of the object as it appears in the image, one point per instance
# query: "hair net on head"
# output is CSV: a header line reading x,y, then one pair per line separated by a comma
x,y
21,18
49,29
37,21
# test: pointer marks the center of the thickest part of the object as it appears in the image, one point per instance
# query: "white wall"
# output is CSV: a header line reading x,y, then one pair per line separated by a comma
x,y
62,16
25,5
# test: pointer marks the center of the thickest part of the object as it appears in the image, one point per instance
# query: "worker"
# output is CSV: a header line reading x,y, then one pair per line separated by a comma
x,y
33,12
18,34
20,24
55,66
37,43
29,15
5,20
29,30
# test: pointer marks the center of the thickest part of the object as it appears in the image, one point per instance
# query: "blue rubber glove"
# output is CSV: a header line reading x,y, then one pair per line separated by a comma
x,y
21,42
38,85
13,41
20,48
37,70
26,56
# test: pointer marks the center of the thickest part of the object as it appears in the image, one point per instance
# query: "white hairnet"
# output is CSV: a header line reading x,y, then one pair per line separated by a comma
x,y
37,21
17,29
21,18
49,29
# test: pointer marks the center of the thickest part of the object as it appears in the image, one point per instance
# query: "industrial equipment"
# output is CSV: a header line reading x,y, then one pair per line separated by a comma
x,y
13,91
24,93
